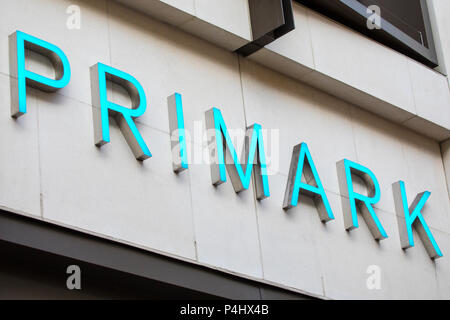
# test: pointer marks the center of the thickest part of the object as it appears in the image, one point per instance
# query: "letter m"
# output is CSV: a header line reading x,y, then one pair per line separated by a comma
x,y
224,157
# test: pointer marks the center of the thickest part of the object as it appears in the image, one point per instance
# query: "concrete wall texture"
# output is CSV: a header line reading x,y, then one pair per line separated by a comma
x,y
50,168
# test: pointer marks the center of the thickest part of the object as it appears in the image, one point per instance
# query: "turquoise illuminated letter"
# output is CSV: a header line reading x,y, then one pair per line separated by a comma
x,y
176,126
351,199
295,186
239,178
103,108
412,217
21,77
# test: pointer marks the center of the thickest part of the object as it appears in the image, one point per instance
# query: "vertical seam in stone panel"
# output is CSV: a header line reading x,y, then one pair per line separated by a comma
x,y
253,175
323,285
257,226
405,159
194,2
249,21
41,196
352,119
242,89
438,293
192,214
317,258
446,173
108,21
310,38
411,85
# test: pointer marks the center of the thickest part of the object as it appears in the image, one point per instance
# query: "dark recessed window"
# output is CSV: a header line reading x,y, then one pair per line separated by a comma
x,y
406,15
405,24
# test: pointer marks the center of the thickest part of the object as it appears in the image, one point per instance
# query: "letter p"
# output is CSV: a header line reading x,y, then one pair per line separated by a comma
x,y
21,77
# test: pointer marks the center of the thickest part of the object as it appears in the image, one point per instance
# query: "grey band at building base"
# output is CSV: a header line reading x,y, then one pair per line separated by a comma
x,y
60,241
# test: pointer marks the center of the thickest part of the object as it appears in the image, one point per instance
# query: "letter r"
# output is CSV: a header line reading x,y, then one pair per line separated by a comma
x,y
103,108
21,77
351,200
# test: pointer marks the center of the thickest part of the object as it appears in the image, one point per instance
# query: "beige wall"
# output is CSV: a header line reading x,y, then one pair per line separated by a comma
x,y
51,170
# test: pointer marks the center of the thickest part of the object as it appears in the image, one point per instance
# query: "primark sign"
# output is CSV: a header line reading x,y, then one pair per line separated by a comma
x,y
303,177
